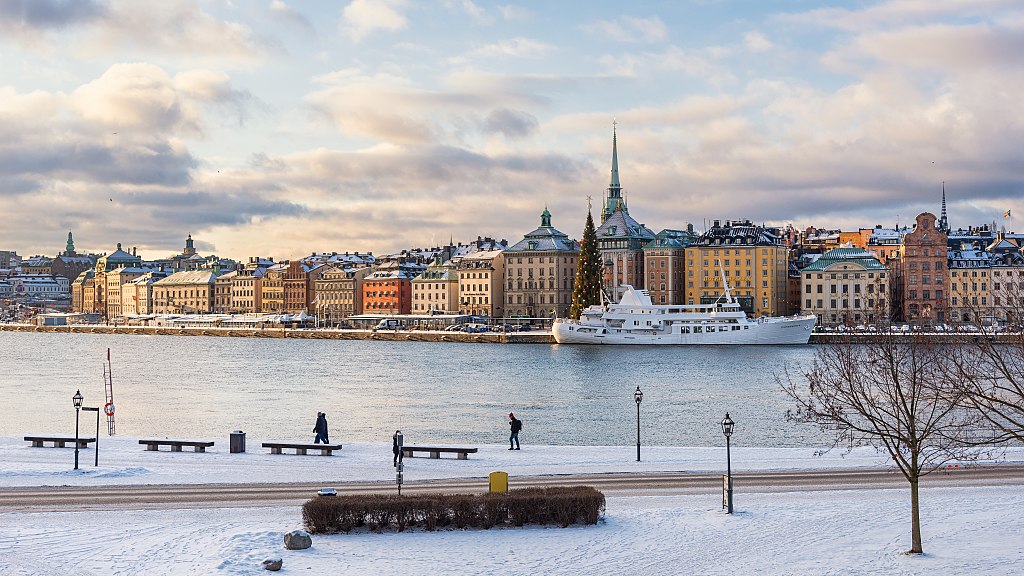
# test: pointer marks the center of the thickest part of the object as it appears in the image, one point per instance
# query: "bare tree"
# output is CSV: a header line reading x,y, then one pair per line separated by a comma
x,y
888,391
989,364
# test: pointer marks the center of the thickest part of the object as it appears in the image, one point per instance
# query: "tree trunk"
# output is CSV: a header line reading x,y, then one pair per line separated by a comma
x,y
915,513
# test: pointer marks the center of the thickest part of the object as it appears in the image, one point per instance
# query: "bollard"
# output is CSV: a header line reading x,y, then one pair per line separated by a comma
x,y
498,482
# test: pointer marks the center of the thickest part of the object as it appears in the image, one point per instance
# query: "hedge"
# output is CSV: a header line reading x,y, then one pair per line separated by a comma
x,y
563,505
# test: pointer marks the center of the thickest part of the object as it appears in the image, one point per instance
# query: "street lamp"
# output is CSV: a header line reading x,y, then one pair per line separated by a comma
x,y
727,427
77,400
639,397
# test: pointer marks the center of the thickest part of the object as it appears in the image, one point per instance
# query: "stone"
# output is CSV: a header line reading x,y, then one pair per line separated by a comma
x,y
297,540
273,564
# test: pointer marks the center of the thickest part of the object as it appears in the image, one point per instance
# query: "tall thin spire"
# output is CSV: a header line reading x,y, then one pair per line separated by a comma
x,y
943,223
69,250
614,196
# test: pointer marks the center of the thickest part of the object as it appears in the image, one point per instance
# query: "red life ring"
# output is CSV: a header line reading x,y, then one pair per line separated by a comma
x,y
108,409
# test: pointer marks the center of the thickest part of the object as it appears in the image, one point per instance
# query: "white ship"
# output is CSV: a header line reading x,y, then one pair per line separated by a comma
x,y
636,320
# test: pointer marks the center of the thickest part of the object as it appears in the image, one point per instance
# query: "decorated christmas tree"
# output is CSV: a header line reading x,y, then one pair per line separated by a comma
x,y
587,290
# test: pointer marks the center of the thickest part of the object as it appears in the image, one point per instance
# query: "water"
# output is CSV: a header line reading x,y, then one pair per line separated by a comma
x,y
199,387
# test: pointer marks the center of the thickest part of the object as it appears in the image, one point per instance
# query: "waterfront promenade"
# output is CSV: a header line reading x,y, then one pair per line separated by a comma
x,y
535,337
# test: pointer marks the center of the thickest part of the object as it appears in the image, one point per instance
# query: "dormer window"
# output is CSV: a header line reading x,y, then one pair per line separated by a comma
x,y
533,245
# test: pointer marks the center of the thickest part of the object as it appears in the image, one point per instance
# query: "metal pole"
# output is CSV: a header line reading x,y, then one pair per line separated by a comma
x,y
76,438
728,461
637,431
97,462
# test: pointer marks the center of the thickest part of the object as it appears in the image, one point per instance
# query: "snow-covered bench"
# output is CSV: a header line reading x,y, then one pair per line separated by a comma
x,y
301,448
197,445
435,451
58,441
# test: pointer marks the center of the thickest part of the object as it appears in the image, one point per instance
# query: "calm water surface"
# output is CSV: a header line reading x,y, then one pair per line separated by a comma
x,y
435,392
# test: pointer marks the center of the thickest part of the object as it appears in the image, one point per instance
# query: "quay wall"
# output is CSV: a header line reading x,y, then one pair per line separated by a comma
x,y
426,336
391,335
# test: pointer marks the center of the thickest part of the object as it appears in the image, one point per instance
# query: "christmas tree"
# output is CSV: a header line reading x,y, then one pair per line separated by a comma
x,y
587,290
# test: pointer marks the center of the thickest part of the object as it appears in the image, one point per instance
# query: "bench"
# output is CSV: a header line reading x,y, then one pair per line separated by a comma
x,y
58,441
197,445
435,451
301,448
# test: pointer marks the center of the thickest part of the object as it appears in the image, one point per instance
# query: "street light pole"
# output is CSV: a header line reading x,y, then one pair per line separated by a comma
x,y
727,428
77,400
639,397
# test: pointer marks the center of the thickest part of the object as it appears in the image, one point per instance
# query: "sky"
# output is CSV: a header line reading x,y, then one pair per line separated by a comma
x,y
274,128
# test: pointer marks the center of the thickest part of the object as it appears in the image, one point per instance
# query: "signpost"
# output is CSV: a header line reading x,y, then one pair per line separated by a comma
x,y
97,447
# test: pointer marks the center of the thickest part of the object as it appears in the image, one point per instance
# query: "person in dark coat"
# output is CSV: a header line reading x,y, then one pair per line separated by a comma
x,y
515,425
394,447
320,428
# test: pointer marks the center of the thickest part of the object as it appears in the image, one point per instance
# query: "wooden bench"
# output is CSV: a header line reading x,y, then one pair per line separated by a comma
x,y
58,441
301,448
435,451
197,445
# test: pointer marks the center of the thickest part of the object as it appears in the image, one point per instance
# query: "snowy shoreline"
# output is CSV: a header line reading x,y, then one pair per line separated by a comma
x,y
124,462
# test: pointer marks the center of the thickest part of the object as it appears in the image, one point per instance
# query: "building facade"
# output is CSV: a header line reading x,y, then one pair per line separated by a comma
x,y
540,272
482,283
436,289
665,261
750,258
846,286
922,268
188,292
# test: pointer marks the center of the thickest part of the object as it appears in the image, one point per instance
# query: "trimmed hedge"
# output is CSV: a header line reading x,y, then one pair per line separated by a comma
x,y
563,505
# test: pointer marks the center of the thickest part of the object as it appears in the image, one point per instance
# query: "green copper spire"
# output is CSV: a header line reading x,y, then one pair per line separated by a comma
x,y
613,199
69,250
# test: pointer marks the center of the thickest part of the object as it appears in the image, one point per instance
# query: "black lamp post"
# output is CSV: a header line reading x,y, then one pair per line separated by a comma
x,y
77,400
727,427
639,397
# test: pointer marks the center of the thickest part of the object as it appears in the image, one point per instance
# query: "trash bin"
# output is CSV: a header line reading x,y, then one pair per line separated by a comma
x,y
498,482
237,442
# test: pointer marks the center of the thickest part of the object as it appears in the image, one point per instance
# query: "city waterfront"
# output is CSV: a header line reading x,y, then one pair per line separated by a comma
x,y
435,392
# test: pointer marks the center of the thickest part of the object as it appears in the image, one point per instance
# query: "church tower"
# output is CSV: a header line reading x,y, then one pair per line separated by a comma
x,y
943,223
69,250
613,198
190,249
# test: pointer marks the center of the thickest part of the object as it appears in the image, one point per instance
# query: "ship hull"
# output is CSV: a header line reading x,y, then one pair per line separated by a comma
x,y
776,331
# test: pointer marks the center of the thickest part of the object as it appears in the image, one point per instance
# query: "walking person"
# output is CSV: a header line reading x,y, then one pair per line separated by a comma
x,y
320,428
394,447
515,425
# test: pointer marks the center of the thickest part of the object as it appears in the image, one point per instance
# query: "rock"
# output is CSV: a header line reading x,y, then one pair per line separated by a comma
x,y
273,564
297,540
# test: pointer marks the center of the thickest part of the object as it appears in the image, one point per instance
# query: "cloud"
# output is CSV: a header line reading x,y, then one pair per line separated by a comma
x,y
392,109
630,29
756,42
138,96
283,12
364,17
511,123
515,48
48,14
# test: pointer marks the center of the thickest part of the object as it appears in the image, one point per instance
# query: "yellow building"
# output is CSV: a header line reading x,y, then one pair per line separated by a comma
x,y
481,285
184,293
750,258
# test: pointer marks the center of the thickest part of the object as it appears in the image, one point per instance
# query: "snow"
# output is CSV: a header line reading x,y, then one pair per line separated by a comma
x,y
966,530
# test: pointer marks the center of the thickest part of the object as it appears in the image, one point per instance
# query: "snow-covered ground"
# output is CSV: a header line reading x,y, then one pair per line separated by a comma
x,y
124,461
966,530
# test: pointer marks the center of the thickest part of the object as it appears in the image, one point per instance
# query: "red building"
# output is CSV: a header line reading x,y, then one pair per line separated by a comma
x,y
922,270
387,292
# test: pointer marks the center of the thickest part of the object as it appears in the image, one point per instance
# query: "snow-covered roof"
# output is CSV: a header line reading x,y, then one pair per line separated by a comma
x,y
188,277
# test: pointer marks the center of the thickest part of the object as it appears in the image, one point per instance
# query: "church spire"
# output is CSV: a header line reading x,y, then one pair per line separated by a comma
x,y
943,223
613,199
69,250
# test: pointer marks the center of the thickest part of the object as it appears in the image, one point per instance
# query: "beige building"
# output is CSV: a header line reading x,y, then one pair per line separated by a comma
x,y
115,279
272,289
846,286
481,283
222,289
436,289
339,292
137,294
540,272
749,257
184,293
970,284
665,260
247,291
1007,280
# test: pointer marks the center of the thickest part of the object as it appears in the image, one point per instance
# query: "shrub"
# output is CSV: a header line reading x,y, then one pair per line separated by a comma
x,y
563,505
